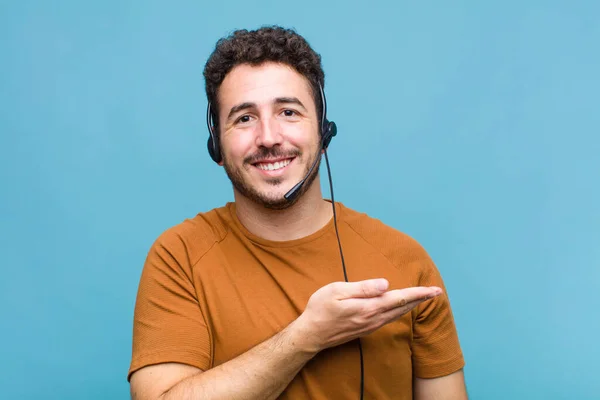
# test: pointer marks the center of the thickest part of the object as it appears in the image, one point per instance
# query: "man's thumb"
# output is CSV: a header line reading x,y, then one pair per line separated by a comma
x,y
367,288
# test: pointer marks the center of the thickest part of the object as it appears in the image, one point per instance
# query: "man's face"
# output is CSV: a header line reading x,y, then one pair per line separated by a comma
x,y
268,130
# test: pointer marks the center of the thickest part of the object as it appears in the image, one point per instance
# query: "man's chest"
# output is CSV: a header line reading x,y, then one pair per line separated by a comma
x,y
247,295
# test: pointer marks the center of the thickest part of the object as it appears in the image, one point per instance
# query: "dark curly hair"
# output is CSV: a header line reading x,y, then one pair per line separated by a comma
x,y
267,44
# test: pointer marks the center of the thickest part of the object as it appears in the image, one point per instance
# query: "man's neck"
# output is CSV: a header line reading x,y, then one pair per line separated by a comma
x,y
309,214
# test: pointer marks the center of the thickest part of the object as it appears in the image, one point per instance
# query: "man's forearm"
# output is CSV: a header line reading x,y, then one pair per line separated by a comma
x,y
263,372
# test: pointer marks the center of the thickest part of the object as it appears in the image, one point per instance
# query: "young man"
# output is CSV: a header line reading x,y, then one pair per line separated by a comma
x,y
249,301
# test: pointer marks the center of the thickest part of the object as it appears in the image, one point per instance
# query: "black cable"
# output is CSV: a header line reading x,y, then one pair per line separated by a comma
x,y
362,369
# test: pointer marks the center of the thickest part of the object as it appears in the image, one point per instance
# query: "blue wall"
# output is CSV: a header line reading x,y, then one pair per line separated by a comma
x,y
474,127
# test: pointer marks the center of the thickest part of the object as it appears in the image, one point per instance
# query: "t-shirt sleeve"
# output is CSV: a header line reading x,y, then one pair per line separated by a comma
x,y
435,349
168,323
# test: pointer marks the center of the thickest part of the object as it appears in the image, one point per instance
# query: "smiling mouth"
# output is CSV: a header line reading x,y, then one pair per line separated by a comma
x,y
273,165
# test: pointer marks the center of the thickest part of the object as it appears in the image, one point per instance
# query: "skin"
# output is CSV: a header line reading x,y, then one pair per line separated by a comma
x,y
269,128
283,128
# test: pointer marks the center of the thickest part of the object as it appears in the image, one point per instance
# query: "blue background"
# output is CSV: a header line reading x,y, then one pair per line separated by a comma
x,y
472,126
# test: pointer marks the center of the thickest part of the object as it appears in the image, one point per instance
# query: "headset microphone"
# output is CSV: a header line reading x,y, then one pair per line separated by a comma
x,y
291,195
328,131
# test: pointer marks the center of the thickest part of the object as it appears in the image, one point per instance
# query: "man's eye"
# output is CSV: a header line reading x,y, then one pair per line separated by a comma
x,y
244,118
289,113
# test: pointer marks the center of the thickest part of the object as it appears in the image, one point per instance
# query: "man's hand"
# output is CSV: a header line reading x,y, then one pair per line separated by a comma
x,y
341,311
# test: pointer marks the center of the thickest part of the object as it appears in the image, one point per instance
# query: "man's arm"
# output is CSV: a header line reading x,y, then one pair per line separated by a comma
x,y
335,314
263,372
449,387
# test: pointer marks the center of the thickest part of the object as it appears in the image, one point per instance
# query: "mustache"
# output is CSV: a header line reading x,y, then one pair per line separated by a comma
x,y
272,152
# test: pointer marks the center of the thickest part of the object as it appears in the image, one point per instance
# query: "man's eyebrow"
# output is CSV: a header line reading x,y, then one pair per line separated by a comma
x,y
279,100
238,108
289,100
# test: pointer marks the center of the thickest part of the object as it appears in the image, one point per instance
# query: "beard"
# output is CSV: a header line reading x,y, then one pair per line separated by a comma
x,y
270,200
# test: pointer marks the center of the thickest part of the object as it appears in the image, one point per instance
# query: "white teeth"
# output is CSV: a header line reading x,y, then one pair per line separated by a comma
x,y
273,166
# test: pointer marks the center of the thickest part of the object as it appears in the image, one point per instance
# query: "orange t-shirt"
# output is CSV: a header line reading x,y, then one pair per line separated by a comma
x,y
210,290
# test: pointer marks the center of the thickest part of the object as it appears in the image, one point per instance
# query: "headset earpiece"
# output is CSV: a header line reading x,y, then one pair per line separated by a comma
x,y
214,149
328,128
329,131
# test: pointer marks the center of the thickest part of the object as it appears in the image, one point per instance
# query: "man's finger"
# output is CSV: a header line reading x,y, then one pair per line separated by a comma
x,y
395,313
362,289
402,297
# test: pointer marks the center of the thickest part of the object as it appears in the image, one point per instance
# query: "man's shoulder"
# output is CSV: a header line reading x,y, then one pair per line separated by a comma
x,y
396,245
195,236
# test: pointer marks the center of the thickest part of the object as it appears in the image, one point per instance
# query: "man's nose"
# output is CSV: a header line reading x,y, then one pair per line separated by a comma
x,y
269,133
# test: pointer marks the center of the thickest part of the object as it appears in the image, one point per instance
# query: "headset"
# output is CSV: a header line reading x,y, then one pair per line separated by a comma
x,y
328,130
